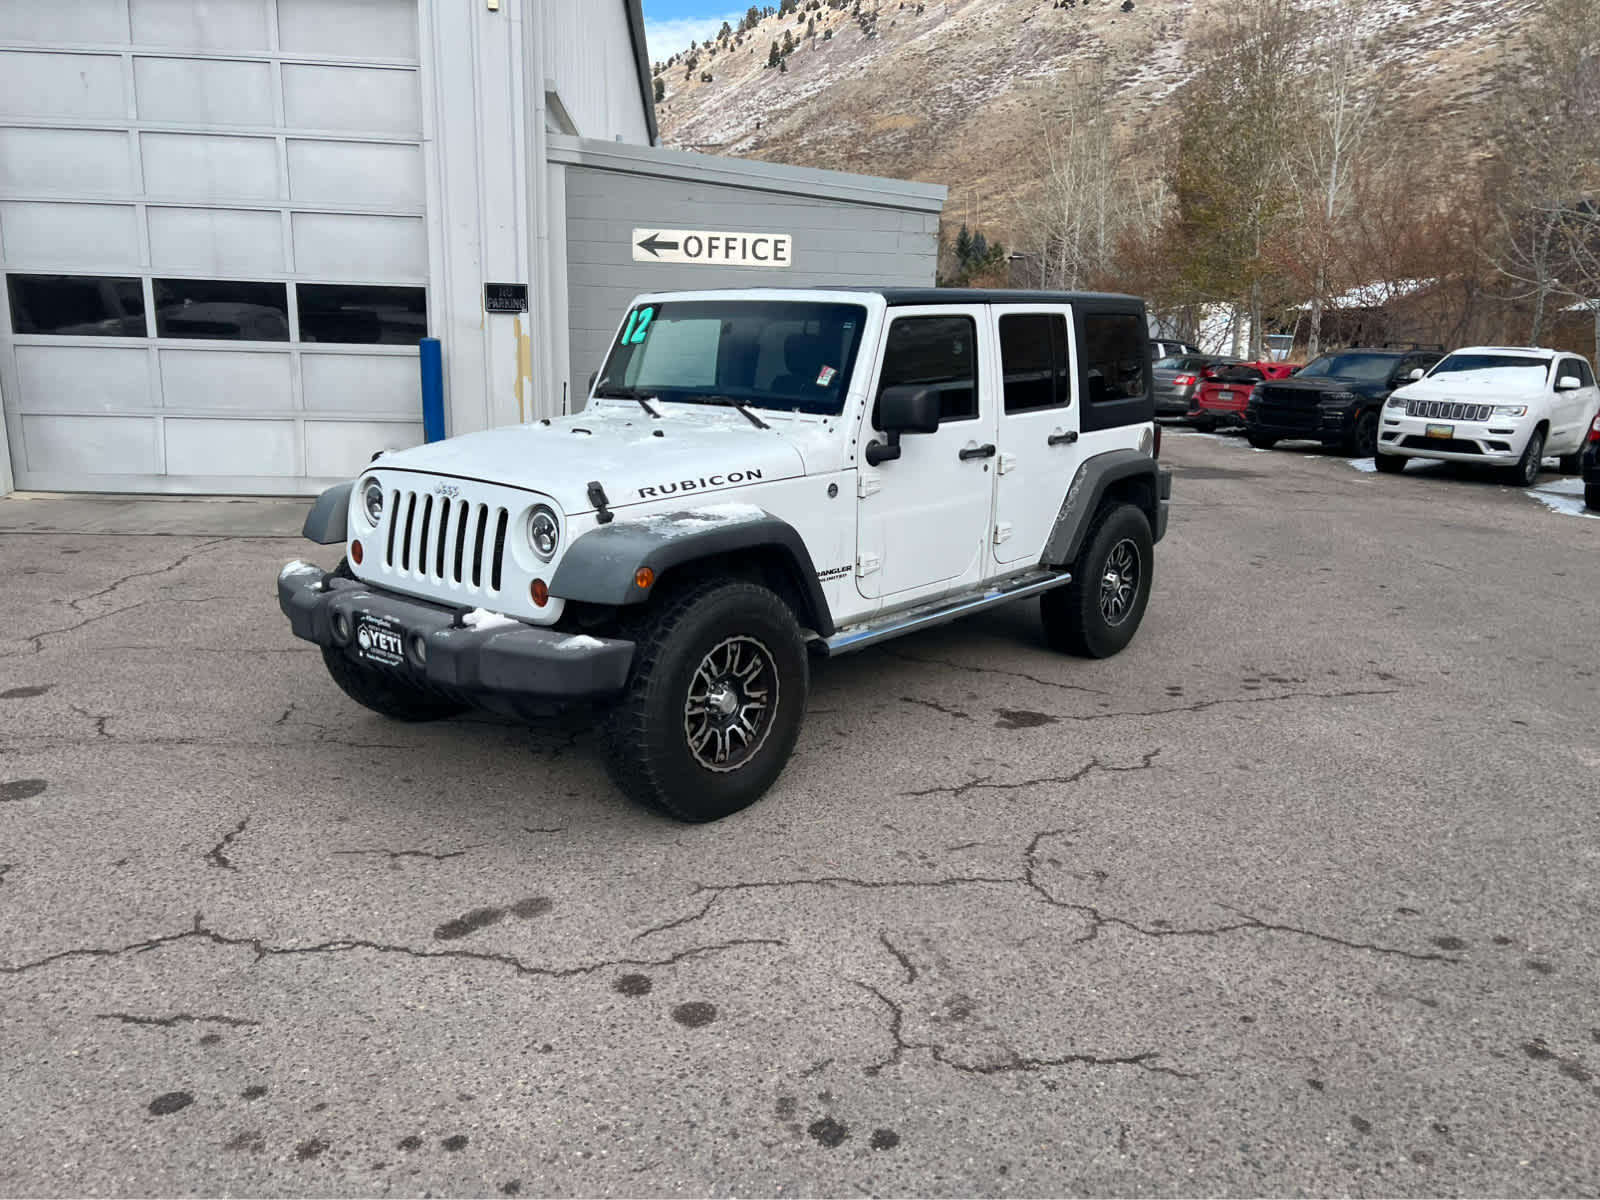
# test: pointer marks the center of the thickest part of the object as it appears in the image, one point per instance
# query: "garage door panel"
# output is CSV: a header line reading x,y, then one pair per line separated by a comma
x,y
373,173
76,378
207,446
366,99
75,446
340,449
213,25
200,167
66,160
64,86
369,249
203,92
359,28
100,237
64,21
227,381
216,241
390,386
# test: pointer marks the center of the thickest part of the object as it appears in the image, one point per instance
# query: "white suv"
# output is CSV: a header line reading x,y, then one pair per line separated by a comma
x,y
1497,405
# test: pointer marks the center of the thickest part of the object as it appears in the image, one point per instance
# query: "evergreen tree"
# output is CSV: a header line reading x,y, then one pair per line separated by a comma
x,y
661,89
964,245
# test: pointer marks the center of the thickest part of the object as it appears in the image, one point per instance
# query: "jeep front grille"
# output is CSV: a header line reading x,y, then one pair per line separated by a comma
x,y
1447,410
446,540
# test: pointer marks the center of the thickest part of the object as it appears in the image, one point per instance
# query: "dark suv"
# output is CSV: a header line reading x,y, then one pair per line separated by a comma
x,y
1334,399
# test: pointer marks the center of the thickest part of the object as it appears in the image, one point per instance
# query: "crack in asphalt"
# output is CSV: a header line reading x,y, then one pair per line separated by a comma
x,y
982,782
99,720
217,856
429,854
946,662
37,639
683,920
6,869
182,1018
1202,705
106,591
200,933
938,708
900,956
901,1045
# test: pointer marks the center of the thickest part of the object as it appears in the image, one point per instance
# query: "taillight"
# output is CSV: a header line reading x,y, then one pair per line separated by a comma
x,y
1594,430
1156,452
1183,381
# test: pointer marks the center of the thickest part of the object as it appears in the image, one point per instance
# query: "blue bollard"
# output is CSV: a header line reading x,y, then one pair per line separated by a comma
x,y
432,389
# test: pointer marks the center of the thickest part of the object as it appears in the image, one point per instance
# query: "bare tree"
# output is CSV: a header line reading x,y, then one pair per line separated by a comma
x,y
1075,217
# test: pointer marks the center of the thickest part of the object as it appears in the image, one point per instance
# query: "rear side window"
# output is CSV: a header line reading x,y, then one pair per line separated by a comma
x,y
1115,357
936,352
1580,368
1034,361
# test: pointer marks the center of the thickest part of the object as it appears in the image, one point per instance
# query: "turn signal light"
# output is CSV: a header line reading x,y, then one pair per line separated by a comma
x,y
1183,381
355,553
539,590
643,578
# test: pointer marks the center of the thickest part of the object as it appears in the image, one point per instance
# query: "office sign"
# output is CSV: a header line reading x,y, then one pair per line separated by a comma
x,y
712,248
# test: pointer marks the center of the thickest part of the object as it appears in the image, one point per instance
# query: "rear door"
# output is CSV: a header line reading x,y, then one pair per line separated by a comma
x,y
1038,438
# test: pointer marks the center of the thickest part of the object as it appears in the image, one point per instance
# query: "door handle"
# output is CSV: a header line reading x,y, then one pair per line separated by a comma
x,y
986,451
1062,439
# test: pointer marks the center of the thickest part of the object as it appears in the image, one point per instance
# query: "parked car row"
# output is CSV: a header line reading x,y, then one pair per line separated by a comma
x,y
1499,406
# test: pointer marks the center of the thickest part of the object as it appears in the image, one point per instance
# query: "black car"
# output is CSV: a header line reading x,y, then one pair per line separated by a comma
x,y
1334,399
1589,467
1176,378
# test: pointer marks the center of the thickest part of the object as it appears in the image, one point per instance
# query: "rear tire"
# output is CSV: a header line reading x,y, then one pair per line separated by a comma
x,y
1261,441
1098,613
1571,464
714,702
1390,464
385,694
1591,496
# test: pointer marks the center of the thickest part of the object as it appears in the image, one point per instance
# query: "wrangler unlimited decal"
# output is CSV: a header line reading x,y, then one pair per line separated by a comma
x,y
705,483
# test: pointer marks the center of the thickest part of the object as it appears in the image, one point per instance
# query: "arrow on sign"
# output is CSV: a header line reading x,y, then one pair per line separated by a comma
x,y
655,245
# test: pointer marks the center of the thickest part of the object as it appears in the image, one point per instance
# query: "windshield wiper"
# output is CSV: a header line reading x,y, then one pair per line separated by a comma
x,y
744,411
628,393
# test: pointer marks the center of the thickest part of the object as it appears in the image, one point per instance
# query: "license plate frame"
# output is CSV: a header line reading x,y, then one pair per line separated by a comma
x,y
380,640
1440,431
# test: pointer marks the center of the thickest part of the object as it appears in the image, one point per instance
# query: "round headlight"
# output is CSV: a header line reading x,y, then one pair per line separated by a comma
x,y
544,532
372,501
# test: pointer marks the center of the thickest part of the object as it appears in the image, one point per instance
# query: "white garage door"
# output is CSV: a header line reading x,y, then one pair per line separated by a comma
x,y
212,237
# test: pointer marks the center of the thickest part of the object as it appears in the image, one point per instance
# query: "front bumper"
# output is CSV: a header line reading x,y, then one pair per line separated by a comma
x,y
434,646
1494,442
1313,425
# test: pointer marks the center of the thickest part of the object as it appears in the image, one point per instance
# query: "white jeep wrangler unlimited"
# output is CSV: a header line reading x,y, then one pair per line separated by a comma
x,y
758,474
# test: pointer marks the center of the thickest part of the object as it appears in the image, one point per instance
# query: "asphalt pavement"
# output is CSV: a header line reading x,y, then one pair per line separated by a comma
x,y
1297,895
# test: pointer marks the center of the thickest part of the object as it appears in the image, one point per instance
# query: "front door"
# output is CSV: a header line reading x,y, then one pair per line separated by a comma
x,y
1038,442
923,518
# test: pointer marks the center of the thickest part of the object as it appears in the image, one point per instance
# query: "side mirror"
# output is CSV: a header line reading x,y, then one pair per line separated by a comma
x,y
903,409
1568,383
1416,374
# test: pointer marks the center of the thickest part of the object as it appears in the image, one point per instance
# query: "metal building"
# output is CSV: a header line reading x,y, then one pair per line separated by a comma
x,y
225,225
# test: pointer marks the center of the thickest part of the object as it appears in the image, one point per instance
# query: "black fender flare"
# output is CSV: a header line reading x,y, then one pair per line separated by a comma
x,y
601,566
1096,476
329,519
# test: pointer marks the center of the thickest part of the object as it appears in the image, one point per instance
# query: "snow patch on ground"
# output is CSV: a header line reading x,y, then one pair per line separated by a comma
x,y
1369,465
1564,496
481,619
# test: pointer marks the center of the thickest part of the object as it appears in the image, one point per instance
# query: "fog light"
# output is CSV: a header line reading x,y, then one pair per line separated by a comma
x,y
539,590
341,628
419,649
355,553
643,578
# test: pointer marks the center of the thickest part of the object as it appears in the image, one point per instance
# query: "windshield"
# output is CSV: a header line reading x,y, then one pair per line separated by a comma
x,y
1350,366
785,355
1509,367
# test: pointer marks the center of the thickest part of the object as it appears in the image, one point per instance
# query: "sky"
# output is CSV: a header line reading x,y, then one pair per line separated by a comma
x,y
670,25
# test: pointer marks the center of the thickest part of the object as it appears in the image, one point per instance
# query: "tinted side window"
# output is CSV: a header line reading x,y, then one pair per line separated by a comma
x,y
1033,359
1114,357
1580,368
936,352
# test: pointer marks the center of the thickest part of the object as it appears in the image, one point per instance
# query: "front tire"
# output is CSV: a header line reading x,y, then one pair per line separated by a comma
x,y
714,703
1390,464
1362,440
1098,613
1526,472
384,694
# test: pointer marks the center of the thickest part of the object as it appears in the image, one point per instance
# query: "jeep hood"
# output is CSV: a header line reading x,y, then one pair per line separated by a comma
x,y
1483,386
697,454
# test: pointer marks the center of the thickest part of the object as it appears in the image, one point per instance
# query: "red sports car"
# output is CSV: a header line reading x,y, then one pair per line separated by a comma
x,y
1220,400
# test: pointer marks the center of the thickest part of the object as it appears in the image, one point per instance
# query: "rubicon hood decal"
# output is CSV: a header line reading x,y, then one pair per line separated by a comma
x,y
705,483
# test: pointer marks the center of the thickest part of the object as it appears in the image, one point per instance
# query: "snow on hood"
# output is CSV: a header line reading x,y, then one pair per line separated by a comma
x,y
1484,385
700,453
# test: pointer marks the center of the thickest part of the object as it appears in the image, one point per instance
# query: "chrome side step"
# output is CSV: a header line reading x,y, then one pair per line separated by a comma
x,y
859,637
